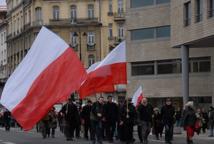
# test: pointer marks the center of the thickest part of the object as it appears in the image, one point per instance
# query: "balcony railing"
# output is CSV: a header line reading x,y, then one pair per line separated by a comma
x,y
119,16
69,21
38,23
91,47
27,25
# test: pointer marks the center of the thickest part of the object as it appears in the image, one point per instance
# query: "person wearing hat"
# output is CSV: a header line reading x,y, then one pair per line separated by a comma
x,y
167,114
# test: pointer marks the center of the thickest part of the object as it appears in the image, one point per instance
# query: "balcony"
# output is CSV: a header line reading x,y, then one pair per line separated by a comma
x,y
38,23
119,16
78,21
91,47
26,26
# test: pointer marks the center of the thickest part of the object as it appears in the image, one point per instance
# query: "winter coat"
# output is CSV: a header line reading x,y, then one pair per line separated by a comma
x,y
167,114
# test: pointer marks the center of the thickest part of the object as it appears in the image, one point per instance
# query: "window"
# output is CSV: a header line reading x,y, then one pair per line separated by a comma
x,y
162,1
168,66
150,33
142,68
120,6
90,11
210,8
91,38
110,31
56,12
91,60
73,40
198,10
187,13
140,34
73,13
163,32
38,14
142,3
120,31
200,64
110,6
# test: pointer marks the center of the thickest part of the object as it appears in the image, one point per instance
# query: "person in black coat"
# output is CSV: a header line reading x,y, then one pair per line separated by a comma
x,y
145,111
189,121
70,113
85,116
157,123
111,118
127,120
167,114
7,120
97,117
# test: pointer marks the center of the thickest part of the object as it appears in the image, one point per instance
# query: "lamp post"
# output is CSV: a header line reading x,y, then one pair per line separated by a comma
x,y
78,34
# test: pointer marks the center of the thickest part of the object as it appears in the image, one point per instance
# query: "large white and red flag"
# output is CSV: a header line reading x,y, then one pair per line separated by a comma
x,y
137,97
49,73
109,72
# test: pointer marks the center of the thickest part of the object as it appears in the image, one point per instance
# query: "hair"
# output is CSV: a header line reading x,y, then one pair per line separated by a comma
x,y
109,96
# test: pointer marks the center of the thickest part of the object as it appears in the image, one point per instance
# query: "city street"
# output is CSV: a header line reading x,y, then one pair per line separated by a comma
x,y
16,136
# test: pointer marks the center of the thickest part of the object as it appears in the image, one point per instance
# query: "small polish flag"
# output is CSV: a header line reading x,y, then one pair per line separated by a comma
x,y
137,97
109,72
49,73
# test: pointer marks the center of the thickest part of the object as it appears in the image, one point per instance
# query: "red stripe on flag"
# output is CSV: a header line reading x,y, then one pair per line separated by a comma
x,y
103,79
55,83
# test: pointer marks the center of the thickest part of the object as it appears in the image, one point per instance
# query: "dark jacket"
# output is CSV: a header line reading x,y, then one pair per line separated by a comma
x,y
167,114
189,117
71,113
85,114
97,108
132,114
111,112
145,113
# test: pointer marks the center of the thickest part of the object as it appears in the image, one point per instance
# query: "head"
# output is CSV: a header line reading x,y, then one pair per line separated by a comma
x,y
144,101
189,104
109,98
89,102
101,100
156,110
168,101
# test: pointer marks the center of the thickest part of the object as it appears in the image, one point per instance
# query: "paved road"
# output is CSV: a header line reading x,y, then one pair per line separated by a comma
x,y
16,136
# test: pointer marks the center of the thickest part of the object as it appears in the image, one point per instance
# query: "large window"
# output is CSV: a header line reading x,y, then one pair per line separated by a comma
x,y
56,12
110,6
187,14
168,66
121,31
73,13
200,65
198,10
142,68
73,39
110,31
91,38
142,3
91,11
120,6
150,33
38,14
210,8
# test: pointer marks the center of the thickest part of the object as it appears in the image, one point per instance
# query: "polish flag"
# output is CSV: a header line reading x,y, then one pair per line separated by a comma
x,y
109,72
50,72
137,97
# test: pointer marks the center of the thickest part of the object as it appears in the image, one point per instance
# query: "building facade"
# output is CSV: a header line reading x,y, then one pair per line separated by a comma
x,y
91,27
155,32
3,45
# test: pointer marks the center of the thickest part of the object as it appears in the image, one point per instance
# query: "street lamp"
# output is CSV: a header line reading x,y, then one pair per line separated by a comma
x,y
78,34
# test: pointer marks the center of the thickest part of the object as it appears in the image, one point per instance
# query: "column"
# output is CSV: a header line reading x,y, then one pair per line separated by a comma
x,y
185,73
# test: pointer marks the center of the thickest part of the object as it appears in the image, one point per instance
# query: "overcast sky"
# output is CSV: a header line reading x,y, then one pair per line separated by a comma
x,y
2,2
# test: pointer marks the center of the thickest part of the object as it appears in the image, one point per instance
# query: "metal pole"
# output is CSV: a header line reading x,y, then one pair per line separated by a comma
x,y
185,73
80,44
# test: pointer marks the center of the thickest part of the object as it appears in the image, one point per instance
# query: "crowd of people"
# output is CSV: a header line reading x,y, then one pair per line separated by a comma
x,y
110,121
